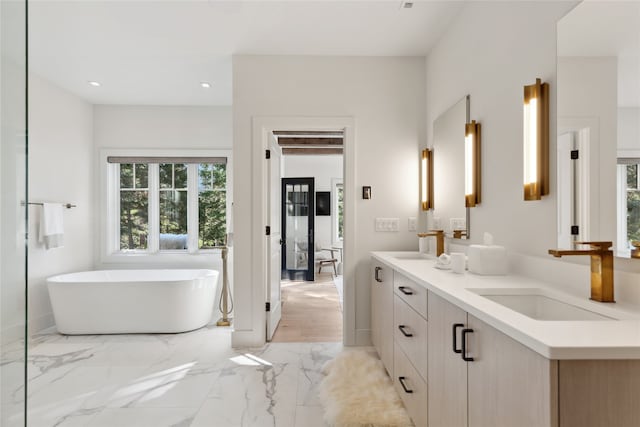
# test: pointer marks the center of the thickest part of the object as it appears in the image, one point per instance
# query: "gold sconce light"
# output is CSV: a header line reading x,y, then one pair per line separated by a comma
x,y
471,164
426,179
536,140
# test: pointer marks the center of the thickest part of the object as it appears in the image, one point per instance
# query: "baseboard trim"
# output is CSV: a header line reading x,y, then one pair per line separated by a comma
x,y
363,337
41,323
247,338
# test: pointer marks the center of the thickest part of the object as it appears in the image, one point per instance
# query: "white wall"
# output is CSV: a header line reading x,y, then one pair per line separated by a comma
x,y
323,169
491,51
629,128
160,128
385,96
60,167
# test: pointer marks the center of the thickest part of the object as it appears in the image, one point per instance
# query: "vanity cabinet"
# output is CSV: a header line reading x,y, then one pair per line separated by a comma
x,y
479,377
382,313
447,372
452,369
410,346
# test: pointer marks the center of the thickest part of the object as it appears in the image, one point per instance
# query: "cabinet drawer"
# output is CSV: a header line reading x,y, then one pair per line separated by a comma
x,y
410,333
405,376
414,294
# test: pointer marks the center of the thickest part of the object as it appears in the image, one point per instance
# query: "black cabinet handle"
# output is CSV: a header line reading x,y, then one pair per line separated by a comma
x,y
377,277
405,290
405,333
404,386
455,337
464,345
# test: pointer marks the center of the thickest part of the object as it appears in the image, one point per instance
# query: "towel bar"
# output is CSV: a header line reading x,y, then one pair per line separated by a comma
x,y
66,205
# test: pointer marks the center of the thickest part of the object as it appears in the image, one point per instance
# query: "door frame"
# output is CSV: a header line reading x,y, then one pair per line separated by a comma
x,y
261,127
311,215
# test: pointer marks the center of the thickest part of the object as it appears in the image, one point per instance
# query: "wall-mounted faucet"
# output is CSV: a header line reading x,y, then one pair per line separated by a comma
x,y
601,268
439,235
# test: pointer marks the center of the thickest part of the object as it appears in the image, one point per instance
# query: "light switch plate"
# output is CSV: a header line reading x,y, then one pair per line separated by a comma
x,y
387,224
412,224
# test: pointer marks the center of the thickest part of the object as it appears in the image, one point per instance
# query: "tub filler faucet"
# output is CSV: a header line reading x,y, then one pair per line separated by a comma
x,y
601,268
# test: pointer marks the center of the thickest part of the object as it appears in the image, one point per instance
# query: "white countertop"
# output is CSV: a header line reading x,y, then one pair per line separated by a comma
x,y
606,339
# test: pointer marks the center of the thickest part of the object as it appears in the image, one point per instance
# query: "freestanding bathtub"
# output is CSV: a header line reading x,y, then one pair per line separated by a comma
x,y
132,301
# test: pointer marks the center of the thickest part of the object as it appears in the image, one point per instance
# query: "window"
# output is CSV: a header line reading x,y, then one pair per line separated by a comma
x,y
338,210
134,205
628,202
212,201
166,204
633,202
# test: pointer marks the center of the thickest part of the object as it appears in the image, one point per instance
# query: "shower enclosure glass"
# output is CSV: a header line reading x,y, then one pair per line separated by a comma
x,y
13,212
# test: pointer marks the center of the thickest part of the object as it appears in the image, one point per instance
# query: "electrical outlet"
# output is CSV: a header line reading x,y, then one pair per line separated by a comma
x,y
412,224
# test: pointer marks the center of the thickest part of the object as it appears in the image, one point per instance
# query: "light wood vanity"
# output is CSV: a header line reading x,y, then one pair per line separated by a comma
x,y
453,366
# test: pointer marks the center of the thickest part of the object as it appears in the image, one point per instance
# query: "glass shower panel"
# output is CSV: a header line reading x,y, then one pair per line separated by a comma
x,y
13,211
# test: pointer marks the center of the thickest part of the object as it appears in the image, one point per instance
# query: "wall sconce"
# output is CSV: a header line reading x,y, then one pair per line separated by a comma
x,y
536,140
426,179
471,164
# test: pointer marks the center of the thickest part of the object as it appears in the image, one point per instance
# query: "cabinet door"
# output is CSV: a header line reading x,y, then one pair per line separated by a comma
x,y
446,371
410,331
382,313
509,384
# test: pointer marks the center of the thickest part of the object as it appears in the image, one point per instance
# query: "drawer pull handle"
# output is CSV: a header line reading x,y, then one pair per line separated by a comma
x,y
464,345
377,277
405,290
455,337
405,333
404,386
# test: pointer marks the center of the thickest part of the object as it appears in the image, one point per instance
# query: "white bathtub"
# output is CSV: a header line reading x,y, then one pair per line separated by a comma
x,y
132,301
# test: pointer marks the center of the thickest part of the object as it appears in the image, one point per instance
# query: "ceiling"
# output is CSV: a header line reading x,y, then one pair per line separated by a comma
x,y
597,28
158,52
310,142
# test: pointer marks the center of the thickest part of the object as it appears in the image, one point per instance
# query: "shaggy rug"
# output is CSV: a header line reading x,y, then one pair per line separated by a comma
x,y
356,392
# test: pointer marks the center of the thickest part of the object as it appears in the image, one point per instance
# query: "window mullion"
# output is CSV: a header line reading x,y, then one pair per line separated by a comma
x,y
192,207
154,208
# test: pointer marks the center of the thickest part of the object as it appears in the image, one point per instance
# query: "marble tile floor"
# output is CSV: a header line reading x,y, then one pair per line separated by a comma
x,y
193,379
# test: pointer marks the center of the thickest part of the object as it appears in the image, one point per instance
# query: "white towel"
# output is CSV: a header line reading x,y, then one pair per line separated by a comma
x,y
51,226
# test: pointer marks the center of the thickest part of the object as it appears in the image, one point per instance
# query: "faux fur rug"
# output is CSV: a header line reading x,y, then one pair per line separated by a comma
x,y
356,392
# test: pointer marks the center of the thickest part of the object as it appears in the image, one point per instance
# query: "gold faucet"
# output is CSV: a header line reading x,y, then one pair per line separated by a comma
x,y
601,268
439,235
459,234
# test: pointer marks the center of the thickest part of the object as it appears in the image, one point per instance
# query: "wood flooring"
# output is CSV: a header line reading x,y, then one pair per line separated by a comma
x,y
310,311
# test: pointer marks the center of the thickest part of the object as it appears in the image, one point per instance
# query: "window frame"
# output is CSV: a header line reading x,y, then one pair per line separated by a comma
x,y
109,206
335,183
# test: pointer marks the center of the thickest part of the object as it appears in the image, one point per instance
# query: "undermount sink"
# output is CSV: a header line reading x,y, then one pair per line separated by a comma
x,y
534,304
413,255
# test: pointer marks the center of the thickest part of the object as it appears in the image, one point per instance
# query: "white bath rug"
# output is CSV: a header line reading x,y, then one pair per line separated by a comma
x,y
356,392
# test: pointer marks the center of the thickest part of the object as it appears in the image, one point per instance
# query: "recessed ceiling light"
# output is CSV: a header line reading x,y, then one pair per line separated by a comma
x,y
406,4
205,85
94,83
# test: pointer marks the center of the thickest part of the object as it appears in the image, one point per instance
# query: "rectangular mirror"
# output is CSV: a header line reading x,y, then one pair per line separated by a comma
x,y
598,144
449,211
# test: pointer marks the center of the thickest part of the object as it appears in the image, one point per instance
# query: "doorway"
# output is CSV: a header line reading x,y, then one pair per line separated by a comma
x,y
312,200
298,228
